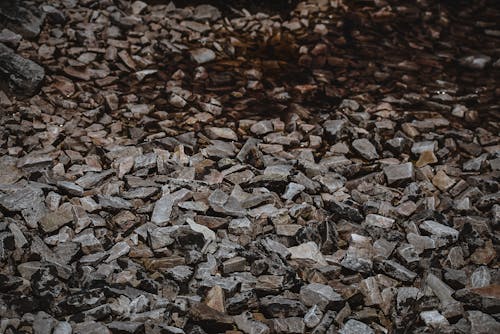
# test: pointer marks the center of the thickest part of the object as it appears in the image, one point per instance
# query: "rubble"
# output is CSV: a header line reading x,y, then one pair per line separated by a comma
x,y
202,169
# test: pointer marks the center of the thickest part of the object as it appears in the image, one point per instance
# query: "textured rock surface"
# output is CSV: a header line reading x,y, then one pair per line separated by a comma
x,y
23,76
330,169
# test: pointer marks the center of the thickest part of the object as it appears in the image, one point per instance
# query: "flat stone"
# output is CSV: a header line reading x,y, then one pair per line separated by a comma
x,y
442,181
289,325
481,277
482,323
307,252
321,295
262,127
426,158
70,188
223,133
439,230
118,250
397,271
209,319
356,327
240,226
277,306
248,325
478,62
365,148
206,12
203,55
313,317
234,264
180,274
133,327
379,221
9,173
113,202
53,221
292,190
43,323
424,146
334,127
399,175
25,19
138,7
10,38
162,210
215,299
63,327
370,289
434,319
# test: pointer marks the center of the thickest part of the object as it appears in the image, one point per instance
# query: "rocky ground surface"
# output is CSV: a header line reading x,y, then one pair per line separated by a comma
x,y
195,170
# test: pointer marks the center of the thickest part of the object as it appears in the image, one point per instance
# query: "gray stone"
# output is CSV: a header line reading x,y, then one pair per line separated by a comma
x,y
248,325
434,319
43,323
397,271
234,264
424,146
280,307
482,323
91,179
406,297
63,327
325,323
70,188
221,133
132,327
331,182
53,221
379,221
313,317
399,175
24,76
206,12
90,327
24,19
357,259
478,62
289,325
481,277
371,291
321,295
307,253
240,226
138,7
440,231
113,202
292,190
334,127
262,127
118,250
203,55
356,327
163,207
365,148
10,38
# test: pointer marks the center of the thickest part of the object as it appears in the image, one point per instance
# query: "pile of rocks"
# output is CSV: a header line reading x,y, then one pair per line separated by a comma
x,y
185,172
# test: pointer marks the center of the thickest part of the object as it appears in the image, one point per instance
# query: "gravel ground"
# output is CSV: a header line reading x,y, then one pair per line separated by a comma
x,y
169,170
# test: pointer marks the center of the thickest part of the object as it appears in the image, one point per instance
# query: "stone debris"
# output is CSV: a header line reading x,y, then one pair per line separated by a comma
x,y
197,167
23,76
